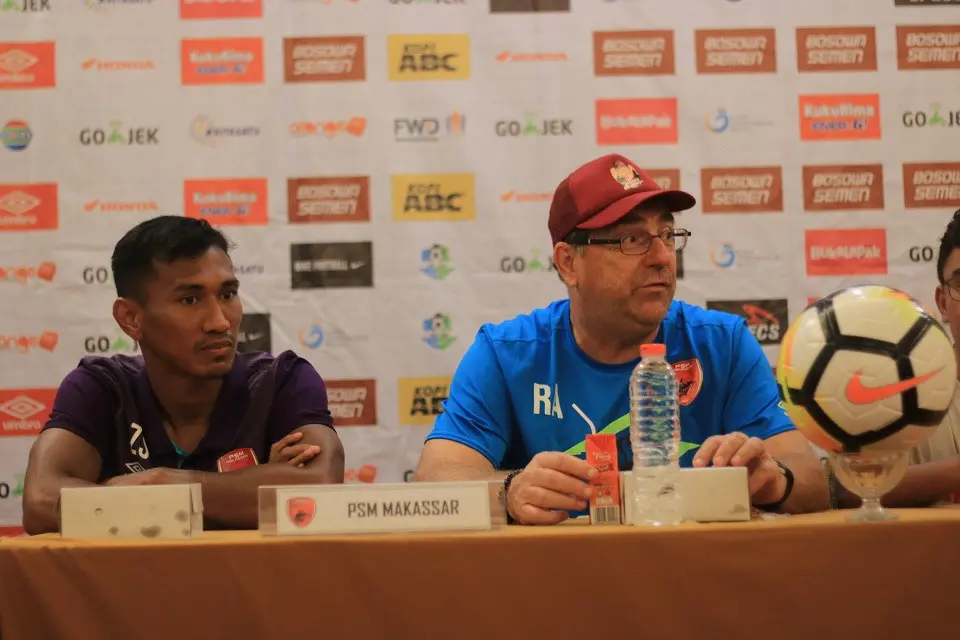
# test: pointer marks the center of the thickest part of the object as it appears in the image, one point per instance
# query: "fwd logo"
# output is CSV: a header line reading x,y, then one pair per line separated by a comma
x,y
545,404
428,129
116,134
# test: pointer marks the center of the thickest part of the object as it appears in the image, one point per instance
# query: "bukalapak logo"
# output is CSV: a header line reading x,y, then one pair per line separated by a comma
x,y
331,265
935,116
766,319
533,125
116,133
254,333
429,128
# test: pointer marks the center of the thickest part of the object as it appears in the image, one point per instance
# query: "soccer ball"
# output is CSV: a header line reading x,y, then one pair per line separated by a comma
x,y
866,370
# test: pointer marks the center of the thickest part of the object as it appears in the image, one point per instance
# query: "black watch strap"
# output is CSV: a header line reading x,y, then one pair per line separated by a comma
x,y
788,476
503,494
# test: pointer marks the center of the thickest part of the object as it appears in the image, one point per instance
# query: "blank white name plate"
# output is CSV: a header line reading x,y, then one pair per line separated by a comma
x,y
153,512
296,510
709,494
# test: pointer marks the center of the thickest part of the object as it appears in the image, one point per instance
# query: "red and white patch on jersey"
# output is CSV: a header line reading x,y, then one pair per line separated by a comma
x,y
689,380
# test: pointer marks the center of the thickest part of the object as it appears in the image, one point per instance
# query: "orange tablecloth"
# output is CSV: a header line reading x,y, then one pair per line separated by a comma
x,y
796,577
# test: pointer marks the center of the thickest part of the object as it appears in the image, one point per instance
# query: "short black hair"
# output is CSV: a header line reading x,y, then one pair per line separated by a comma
x,y
163,239
949,242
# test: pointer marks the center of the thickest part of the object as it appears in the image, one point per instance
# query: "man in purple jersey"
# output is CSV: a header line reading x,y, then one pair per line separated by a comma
x,y
190,409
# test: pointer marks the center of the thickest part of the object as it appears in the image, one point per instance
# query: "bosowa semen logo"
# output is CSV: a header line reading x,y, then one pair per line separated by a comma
x,y
352,403
928,47
836,49
931,185
420,400
766,319
328,199
433,197
435,262
438,331
731,51
741,189
331,265
843,187
633,53
428,57
324,59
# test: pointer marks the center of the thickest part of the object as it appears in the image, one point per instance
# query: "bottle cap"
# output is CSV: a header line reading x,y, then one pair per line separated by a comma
x,y
653,350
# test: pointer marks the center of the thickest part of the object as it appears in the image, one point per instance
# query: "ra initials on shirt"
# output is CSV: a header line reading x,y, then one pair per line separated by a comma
x,y
546,403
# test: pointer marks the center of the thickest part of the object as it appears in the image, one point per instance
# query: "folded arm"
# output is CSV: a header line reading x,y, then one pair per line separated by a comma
x,y
57,459
232,499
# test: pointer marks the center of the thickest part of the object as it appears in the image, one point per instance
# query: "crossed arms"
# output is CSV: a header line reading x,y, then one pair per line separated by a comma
x,y
61,459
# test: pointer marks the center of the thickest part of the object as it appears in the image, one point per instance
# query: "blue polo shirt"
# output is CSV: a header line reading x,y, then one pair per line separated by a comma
x,y
524,386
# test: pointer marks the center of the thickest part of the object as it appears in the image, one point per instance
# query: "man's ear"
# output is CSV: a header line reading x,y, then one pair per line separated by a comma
x,y
940,295
128,315
564,257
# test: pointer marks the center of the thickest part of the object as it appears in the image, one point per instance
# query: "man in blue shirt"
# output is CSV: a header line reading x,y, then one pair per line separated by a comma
x,y
528,390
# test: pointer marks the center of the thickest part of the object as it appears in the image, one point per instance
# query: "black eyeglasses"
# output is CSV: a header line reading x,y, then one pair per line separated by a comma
x,y
635,244
953,287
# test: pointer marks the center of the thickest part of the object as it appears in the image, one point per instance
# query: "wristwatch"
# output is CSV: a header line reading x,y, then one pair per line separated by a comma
x,y
788,476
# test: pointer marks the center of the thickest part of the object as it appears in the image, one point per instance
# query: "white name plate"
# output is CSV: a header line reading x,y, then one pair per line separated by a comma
x,y
151,512
296,510
709,494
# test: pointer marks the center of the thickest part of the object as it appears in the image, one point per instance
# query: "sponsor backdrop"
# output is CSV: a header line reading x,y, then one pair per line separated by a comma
x,y
385,169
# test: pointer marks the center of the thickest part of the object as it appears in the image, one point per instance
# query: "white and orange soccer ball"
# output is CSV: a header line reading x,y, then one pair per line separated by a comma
x,y
866,369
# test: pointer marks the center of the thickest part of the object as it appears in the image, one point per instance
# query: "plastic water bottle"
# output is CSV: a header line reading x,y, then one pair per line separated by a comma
x,y
655,438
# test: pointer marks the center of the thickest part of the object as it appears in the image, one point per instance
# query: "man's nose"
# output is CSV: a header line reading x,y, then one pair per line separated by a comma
x,y
658,254
216,320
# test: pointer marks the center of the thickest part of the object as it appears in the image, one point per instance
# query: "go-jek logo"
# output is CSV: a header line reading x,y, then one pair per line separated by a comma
x,y
723,256
439,330
719,121
25,6
436,262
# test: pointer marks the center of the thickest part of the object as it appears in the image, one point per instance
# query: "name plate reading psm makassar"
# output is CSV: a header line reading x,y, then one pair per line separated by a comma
x,y
383,508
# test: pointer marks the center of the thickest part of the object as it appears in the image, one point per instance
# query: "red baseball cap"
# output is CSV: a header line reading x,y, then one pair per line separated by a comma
x,y
604,190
